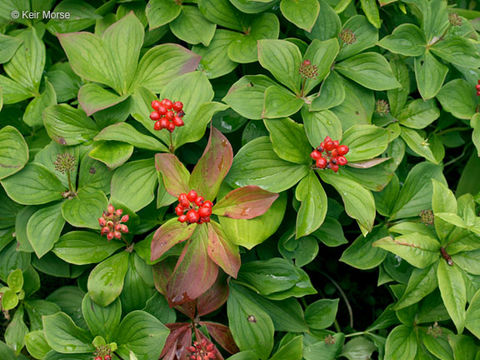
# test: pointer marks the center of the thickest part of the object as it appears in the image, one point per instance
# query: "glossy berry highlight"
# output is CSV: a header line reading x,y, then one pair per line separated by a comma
x,y
167,114
112,223
193,208
330,154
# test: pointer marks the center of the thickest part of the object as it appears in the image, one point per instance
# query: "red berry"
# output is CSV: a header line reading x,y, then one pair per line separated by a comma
x,y
334,167
192,195
105,230
210,347
342,149
342,160
177,106
479,81
321,163
157,125
118,227
181,113
125,218
477,86
167,103
191,348
124,229
204,211
199,201
334,153
327,139
182,218
117,234
179,210
110,235
333,160
110,209
102,221
178,121
315,154
306,62
98,358
170,115
155,116
207,203
162,110
478,93
119,212
192,216
171,127
329,145
107,357
163,123
156,104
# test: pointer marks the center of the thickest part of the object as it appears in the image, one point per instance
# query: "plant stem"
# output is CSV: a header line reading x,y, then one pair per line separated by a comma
x,y
344,296
171,148
356,334
453,130
70,187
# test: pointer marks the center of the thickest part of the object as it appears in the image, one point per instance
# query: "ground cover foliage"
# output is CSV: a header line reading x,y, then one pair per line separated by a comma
x,y
240,179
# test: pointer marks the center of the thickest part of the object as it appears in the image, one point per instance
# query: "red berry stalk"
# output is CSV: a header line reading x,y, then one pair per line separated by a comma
x,y
477,87
203,350
111,223
167,114
198,210
330,154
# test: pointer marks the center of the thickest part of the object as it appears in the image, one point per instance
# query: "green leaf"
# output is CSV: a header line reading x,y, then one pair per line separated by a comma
x,y
82,16
430,75
134,184
419,145
192,27
419,114
321,314
458,51
454,293
324,351
401,344
289,141
458,98
421,283
406,39
85,208
64,336
370,9
313,206
359,348
319,124
282,59
8,47
141,333
83,247
246,96
472,316
361,254
302,13
15,280
366,36
331,94
251,326
102,321
280,102
27,65
14,153
67,125
365,142
161,12
221,12
33,112
164,63
16,331
244,48
168,235
44,228
257,164
330,233
328,23
93,98
112,153
359,202
397,98
126,133
37,344
105,282
418,249
12,92
9,300
370,70
174,174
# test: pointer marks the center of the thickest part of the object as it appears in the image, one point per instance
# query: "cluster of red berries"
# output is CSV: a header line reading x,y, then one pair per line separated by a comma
x,y
330,154
477,87
203,350
111,223
198,210
167,114
106,357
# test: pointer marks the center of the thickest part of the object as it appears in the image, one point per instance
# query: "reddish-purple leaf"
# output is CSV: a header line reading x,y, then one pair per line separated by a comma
x,y
224,253
195,272
213,166
180,334
214,298
162,273
222,335
175,175
246,202
368,163
168,235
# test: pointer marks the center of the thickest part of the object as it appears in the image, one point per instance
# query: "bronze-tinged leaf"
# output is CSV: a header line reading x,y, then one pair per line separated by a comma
x,y
246,202
222,336
213,166
215,297
168,235
368,163
223,252
195,272
176,340
175,175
